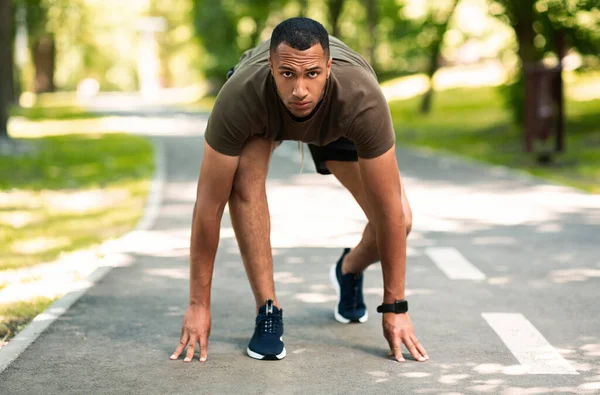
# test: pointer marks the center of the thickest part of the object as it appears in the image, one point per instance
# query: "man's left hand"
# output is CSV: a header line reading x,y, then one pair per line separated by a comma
x,y
398,330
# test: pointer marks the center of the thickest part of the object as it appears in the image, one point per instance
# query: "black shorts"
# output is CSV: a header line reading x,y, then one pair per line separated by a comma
x,y
342,150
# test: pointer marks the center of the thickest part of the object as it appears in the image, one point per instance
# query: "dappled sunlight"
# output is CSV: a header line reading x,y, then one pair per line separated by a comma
x,y
62,201
294,260
83,201
188,125
19,219
415,375
175,311
408,291
315,297
591,350
174,253
499,280
287,278
491,73
71,273
147,242
495,240
320,287
452,379
584,92
180,209
493,368
405,87
574,275
39,244
323,215
183,192
22,128
177,273
544,205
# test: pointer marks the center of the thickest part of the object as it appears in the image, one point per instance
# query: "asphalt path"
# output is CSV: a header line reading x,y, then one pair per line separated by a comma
x,y
503,279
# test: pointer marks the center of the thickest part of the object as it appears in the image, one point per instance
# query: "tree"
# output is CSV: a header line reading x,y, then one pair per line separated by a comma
x,y
335,11
42,45
372,19
227,29
437,21
543,30
6,77
303,7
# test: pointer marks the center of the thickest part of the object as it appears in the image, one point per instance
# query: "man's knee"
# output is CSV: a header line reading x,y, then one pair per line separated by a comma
x,y
371,234
407,219
408,223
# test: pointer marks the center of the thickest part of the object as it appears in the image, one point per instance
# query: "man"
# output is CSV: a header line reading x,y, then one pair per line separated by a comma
x,y
306,86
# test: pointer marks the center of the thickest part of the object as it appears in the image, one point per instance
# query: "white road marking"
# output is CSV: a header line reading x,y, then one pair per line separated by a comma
x,y
527,344
454,264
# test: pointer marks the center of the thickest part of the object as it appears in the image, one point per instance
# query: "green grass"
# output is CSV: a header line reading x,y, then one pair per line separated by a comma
x,y
473,123
55,105
70,192
37,113
15,316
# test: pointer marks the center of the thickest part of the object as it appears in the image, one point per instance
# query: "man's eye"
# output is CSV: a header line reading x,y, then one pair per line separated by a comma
x,y
313,74
286,74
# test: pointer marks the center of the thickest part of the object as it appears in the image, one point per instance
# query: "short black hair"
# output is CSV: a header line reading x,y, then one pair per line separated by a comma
x,y
300,34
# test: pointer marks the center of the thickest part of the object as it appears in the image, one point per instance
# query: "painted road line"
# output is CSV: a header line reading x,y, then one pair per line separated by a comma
x,y
527,344
454,264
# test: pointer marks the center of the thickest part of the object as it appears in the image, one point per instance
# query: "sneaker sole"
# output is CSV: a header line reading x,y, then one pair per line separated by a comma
x,y
267,357
338,316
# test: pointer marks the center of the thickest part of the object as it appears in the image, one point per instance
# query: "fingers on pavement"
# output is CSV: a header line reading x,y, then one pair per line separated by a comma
x,y
412,348
203,347
191,348
182,343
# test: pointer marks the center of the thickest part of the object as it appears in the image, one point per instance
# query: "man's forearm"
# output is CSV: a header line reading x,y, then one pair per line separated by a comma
x,y
391,243
203,249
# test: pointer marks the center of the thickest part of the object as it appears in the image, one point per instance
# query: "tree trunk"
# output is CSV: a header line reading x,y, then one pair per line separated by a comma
x,y
44,58
335,11
373,18
303,7
14,89
6,76
260,26
528,55
434,58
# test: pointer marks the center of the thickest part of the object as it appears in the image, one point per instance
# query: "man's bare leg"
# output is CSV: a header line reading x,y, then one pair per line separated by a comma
x,y
365,253
249,212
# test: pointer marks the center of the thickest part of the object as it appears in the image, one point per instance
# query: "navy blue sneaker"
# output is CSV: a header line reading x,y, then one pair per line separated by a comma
x,y
351,305
267,341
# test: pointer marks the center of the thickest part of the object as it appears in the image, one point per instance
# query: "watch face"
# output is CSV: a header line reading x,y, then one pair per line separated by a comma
x,y
401,306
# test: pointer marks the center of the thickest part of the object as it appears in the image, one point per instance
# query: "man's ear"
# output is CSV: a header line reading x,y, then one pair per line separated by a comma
x,y
271,66
329,66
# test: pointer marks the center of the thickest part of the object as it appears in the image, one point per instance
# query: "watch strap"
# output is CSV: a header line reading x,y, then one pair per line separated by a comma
x,y
398,307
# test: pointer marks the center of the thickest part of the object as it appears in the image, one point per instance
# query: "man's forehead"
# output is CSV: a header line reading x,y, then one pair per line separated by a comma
x,y
285,50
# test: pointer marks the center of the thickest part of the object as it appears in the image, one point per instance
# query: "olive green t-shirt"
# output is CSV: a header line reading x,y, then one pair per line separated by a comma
x,y
353,106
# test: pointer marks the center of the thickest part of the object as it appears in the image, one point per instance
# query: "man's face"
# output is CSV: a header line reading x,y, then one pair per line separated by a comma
x,y
300,77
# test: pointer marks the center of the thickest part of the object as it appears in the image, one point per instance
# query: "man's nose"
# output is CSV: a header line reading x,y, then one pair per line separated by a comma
x,y
300,90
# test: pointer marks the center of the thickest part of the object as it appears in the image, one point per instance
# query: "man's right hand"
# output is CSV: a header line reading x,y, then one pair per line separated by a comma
x,y
195,329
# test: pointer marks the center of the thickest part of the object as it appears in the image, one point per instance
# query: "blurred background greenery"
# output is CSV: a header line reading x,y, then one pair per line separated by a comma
x,y
59,54
533,61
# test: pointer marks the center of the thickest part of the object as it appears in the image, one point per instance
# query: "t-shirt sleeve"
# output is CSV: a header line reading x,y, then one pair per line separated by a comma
x,y
230,123
371,129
